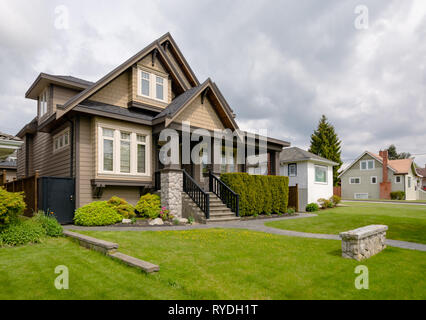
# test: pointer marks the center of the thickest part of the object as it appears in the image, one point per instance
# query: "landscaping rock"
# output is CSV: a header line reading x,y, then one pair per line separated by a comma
x,y
126,221
183,221
156,222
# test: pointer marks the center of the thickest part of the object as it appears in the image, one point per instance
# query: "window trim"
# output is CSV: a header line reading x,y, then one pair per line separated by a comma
x,y
326,175
371,179
288,169
153,85
58,136
43,111
366,167
400,180
350,178
116,171
409,182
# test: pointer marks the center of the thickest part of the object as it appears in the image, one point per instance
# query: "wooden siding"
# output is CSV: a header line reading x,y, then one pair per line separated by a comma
x,y
115,93
62,95
130,194
86,162
20,170
201,115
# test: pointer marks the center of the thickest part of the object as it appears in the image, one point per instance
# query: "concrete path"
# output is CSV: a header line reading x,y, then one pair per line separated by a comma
x,y
255,225
387,202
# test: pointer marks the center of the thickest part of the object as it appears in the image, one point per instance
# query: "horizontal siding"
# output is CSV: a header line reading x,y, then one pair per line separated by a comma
x,y
130,194
86,161
62,95
115,93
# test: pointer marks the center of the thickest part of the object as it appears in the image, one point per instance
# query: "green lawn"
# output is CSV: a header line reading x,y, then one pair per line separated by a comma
x,y
406,222
209,264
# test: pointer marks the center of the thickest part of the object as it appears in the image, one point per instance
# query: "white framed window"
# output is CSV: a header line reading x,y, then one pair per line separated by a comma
x,y
398,179
321,174
409,182
123,152
292,170
367,165
354,180
152,86
42,103
61,140
373,180
361,196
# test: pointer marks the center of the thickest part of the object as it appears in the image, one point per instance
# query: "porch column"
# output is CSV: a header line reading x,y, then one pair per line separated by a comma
x,y
171,189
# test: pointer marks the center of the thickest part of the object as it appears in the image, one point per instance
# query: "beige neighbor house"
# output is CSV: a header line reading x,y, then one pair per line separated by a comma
x,y
105,135
374,176
311,173
422,173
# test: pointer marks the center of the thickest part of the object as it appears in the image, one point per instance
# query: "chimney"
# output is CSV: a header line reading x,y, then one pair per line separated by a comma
x,y
384,155
385,185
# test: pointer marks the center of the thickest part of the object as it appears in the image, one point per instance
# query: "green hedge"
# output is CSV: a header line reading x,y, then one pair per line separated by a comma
x,y
258,194
397,195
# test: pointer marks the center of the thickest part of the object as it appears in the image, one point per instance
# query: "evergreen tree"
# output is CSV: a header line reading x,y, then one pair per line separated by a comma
x,y
393,155
325,143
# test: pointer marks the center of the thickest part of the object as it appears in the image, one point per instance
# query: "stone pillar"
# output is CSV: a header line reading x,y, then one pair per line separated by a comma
x,y
171,190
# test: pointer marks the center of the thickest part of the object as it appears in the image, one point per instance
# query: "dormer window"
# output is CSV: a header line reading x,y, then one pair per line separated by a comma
x,y
152,86
42,104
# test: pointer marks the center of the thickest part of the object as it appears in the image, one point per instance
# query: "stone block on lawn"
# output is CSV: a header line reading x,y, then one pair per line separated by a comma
x,y
92,243
134,262
362,243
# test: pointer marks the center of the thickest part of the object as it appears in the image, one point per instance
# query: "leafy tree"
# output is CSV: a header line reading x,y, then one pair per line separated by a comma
x,y
393,155
325,143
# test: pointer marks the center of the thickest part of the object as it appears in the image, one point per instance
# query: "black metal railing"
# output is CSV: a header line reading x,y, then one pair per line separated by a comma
x,y
196,193
224,193
157,180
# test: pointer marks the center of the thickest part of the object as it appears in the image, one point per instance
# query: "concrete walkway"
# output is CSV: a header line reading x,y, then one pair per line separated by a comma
x,y
255,225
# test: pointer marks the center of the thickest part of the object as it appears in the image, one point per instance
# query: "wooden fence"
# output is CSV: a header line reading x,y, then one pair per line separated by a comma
x,y
337,191
3,177
293,197
27,185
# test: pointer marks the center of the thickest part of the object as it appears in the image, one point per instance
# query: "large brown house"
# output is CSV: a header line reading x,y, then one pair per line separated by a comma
x,y
105,134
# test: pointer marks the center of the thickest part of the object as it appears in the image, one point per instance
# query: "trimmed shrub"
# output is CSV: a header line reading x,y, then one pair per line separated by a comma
x,y
50,225
20,233
149,206
397,195
11,206
97,213
312,207
259,194
335,200
122,207
325,203
291,211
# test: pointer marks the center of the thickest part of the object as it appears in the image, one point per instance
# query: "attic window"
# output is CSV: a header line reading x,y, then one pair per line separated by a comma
x,y
42,108
152,86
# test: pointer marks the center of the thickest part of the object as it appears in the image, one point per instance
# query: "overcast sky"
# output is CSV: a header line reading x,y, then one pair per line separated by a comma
x,y
280,64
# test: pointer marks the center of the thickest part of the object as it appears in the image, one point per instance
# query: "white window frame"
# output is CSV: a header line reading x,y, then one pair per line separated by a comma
x,y
350,180
358,194
326,174
400,180
371,179
42,103
366,164
409,182
117,151
288,168
153,85
61,136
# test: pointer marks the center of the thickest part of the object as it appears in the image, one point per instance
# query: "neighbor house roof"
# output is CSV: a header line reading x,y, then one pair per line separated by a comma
x,y
5,136
295,154
421,172
400,166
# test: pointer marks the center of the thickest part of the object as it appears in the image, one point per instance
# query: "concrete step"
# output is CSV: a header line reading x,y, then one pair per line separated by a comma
x,y
222,213
135,262
226,219
219,208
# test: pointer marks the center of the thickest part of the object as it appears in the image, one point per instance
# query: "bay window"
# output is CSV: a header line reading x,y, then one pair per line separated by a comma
x,y
123,152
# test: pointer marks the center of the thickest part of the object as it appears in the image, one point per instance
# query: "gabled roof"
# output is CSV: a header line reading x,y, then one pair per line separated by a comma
x,y
295,154
400,166
184,100
126,65
421,172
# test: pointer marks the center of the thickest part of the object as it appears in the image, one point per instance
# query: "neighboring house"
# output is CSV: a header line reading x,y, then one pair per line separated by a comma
x,y
374,176
422,173
8,147
106,134
313,174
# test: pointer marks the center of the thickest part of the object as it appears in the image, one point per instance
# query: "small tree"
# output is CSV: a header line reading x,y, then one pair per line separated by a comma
x,y
325,143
